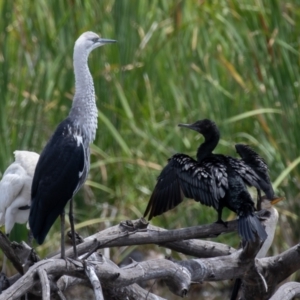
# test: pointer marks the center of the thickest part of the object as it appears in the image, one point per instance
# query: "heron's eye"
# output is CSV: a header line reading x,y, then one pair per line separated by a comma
x,y
95,40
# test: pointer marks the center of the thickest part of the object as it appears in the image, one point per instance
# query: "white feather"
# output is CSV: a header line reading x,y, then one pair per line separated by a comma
x,y
15,189
270,227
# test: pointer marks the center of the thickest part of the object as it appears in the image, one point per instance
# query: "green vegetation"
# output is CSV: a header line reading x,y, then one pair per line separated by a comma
x,y
236,62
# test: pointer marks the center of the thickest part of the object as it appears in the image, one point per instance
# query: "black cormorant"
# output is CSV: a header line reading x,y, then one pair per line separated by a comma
x,y
214,180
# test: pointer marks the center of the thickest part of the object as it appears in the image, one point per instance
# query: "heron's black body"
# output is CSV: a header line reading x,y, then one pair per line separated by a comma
x,y
214,180
59,173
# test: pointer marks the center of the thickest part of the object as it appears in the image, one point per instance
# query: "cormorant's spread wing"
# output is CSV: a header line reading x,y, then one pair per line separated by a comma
x,y
245,171
252,158
183,176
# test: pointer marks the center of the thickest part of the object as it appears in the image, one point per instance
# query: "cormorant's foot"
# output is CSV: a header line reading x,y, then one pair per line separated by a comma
x,y
222,222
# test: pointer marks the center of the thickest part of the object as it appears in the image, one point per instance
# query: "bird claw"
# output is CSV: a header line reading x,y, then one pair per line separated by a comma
x,y
78,238
222,222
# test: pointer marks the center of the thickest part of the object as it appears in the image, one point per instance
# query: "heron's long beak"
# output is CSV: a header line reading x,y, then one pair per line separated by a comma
x,y
276,200
106,41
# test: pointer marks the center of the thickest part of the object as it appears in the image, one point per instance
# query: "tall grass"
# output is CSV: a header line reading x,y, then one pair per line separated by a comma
x,y
236,62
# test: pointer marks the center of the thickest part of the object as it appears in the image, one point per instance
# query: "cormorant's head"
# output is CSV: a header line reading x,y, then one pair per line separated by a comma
x,y
204,126
89,41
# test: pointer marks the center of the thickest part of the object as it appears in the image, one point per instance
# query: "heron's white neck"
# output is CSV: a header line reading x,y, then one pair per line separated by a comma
x,y
84,112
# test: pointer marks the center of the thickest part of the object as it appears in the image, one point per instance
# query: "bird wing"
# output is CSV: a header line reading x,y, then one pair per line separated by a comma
x,y
259,166
183,176
215,165
11,185
28,160
248,175
59,171
251,157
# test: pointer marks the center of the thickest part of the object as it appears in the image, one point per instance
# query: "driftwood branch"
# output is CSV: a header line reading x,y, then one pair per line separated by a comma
x,y
107,272
44,283
133,291
137,232
287,291
222,268
218,262
95,282
9,252
276,269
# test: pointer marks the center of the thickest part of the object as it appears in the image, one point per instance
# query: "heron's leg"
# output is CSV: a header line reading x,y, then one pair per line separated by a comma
x,y
71,218
62,232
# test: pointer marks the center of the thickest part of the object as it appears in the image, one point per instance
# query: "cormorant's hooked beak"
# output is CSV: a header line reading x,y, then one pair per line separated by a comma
x,y
189,126
276,200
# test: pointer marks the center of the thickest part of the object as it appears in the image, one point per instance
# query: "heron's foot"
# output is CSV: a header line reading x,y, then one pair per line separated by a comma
x,y
76,262
78,238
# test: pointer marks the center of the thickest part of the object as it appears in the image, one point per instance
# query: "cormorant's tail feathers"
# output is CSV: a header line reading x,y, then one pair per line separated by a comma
x,y
250,225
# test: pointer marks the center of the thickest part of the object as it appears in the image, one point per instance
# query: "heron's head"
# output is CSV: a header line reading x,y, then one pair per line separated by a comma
x,y
89,41
204,126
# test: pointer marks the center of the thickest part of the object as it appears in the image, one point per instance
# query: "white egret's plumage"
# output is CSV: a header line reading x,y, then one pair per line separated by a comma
x,y
64,163
15,189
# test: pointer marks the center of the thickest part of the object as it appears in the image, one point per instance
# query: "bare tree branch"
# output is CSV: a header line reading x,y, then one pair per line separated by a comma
x,y
106,271
199,248
274,269
133,291
61,295
260,276
287,291
130,233
91,274
44,283
9,252
222,268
